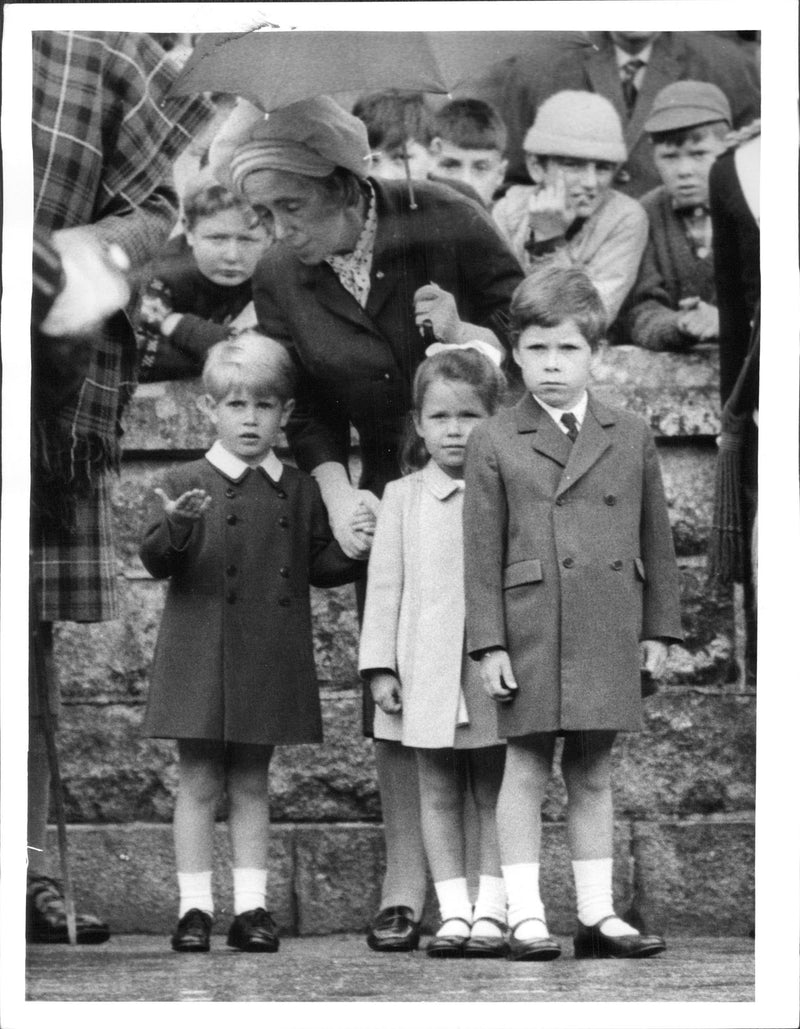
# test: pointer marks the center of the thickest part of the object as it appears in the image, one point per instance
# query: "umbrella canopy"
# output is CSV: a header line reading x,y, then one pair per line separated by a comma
x,y
275,68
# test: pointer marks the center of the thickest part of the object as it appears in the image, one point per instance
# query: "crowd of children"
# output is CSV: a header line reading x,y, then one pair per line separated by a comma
x,y
521,580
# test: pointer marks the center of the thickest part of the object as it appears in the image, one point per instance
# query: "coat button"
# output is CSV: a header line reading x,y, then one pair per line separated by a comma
x,y
560,502
230,570
616,565
231,519
282,494
387,377
284,572
230,493
231,597
568,562
283,521
610,499
284,601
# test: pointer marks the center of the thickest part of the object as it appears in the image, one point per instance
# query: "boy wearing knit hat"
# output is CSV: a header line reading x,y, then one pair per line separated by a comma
x,y
571,215
673,304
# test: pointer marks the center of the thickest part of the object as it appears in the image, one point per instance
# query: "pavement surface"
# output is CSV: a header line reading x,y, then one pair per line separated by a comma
x,y
342,968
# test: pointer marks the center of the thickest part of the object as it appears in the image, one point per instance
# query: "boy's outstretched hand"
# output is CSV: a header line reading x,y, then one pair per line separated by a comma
x,y
654,657
498,676
387,692
189,507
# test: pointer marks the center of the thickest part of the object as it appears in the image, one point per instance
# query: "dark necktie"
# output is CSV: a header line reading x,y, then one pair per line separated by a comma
x,y
569,420
627,75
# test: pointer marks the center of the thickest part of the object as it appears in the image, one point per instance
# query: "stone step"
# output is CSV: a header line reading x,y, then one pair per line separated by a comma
x,y
679,877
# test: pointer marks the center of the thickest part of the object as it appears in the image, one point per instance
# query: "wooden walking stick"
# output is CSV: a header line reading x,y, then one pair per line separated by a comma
x,y
41,673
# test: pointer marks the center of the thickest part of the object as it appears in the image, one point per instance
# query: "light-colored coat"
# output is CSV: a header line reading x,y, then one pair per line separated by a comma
x,y
414,616
570,563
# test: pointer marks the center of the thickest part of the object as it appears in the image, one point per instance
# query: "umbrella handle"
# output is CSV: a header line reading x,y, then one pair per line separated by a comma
x,y
412,202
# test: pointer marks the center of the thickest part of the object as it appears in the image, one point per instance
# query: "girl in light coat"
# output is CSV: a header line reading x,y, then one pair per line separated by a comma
x,y
427,692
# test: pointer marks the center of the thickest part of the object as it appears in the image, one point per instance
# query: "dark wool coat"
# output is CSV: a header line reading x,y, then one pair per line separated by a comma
x,y
569,563
234,659
669,271
356,365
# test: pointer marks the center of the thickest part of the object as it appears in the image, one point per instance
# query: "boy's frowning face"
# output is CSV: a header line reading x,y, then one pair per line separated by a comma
x,y
227,246
555,362
586,183
483,170
684,168
389,164
248,424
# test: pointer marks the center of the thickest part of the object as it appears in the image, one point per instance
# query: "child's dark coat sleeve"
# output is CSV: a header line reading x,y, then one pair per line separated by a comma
x,y
165,549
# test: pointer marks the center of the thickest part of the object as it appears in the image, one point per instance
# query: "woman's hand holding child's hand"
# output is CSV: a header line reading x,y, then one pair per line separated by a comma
x,y
188,508
654,657
386,692
498,676
363,522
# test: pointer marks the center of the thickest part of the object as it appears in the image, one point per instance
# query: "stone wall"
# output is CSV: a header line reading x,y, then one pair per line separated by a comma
x,y
684,789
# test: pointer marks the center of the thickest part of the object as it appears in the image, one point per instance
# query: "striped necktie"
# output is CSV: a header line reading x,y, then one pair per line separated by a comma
x,y
628,73
569,420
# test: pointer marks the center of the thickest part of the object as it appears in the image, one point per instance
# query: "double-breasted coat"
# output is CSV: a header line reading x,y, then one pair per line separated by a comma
x,y
234,658
569,563
356,365
414,617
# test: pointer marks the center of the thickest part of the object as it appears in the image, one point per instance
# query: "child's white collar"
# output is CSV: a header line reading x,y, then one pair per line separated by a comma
x,y
233,467
579,410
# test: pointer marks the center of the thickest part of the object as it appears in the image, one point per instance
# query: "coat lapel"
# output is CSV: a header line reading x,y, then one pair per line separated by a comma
x,y
591,443
321,279
661,70
601,68
546,437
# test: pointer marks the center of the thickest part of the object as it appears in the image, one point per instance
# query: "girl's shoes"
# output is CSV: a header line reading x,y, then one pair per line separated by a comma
x,y
447,946
254,931
592,942
193,932
537,948
487,946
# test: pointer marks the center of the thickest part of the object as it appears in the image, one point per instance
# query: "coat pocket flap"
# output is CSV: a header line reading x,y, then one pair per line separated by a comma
x,y
522,572
638,564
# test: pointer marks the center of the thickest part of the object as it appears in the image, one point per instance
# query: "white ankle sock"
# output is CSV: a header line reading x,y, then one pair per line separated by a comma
x,y
593,887
249,889
454,902
490,903
524,901
195,892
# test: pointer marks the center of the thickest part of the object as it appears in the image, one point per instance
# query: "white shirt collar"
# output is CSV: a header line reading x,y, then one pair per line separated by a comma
x,y
233,467
623,56
579,410
440,483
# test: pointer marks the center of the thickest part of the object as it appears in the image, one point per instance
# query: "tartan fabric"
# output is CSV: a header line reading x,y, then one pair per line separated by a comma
x,y
104,140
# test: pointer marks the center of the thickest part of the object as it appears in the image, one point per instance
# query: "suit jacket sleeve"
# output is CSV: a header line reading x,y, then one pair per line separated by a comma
x,y
661,613
379,630
485,532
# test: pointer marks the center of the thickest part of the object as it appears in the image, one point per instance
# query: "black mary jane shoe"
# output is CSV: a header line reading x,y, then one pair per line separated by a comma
x,y
394,929
488,946
591,942
543,948
193,932
254,931
448,946
46,915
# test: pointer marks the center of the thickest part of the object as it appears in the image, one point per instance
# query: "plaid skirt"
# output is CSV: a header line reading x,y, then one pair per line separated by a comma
x,y
73,571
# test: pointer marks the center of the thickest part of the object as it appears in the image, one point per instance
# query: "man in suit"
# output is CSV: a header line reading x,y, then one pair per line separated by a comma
x,y
629,68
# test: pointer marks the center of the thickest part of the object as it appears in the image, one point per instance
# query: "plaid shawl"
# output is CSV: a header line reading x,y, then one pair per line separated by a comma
x,y
104,140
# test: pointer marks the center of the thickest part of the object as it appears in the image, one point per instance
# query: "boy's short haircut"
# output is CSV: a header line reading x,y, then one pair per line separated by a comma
x,y
692,134
204,198
550,296
249,361
394,116
472,125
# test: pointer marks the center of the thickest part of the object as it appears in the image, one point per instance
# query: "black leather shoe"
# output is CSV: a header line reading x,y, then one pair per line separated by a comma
x,y
448,946
193,932
590,942
394,929
538,949
488,946
46,916
254,931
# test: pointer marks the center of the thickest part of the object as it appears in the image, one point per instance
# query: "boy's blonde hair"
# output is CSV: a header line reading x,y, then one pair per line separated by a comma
x,y
550,296
249,361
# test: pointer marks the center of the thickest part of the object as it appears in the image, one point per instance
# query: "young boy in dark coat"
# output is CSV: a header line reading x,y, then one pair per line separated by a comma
x,y
571,587
233,672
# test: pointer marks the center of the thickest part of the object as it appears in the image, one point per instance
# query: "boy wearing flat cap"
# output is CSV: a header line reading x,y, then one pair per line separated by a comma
x,y
673,304
571,216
